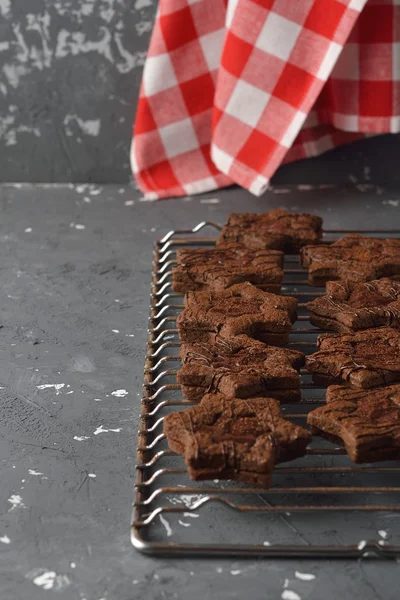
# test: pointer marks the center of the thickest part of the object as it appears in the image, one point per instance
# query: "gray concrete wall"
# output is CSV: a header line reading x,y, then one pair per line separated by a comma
x,y
69,77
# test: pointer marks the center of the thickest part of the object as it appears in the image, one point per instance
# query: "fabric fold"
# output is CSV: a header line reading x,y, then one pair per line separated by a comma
x,y
232,90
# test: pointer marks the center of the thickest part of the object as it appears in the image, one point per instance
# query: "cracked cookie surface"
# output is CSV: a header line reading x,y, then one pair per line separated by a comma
x,y
349,307
240,368
366,423
276,229
228,438
240,309
219,268
354,258
364,359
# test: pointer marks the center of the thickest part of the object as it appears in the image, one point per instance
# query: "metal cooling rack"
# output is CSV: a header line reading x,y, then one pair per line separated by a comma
x,y
320,505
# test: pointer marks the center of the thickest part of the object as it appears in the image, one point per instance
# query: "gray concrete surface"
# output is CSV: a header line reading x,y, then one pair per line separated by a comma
x,y
75,274
69,77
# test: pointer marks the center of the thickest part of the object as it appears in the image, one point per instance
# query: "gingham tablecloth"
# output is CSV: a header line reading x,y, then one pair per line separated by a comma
x,y
233,89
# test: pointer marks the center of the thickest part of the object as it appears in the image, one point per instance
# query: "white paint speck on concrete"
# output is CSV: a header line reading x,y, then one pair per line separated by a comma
x,y
210,201
15,500
89,127
290,595
166,525
57,387
139,4
183,523
48,580
5,539
119,393
304,576
101,429
383,534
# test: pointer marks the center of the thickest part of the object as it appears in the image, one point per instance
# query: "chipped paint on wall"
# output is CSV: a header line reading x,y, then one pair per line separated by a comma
x,y
90,126
68,67
9,130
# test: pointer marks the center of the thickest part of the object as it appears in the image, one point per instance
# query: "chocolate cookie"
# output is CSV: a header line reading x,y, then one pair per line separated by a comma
x,y
240,309
276,229
349,307
354,258
364,359
366,423
220,268
240,368
227,438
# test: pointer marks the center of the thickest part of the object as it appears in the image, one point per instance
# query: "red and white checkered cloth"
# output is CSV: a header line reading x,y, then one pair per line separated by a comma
x,y
233,88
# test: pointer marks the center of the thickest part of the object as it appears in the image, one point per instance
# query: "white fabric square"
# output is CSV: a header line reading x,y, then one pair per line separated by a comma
x,y
134,165
247,103
211,44
200,186
359,4
293,129
318,146
259,185
395,124
329,61
278,36
158,74
396,61
346,122
230,11
221,159
178,138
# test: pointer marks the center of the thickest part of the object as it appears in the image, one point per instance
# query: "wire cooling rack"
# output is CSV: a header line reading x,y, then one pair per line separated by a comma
x,y
320,505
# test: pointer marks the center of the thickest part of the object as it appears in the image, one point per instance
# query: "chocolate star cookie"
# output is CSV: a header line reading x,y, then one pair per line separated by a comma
x,y
227,438
240,309
366,423
354,258
220,268
276,229
349,307
364,359
240,368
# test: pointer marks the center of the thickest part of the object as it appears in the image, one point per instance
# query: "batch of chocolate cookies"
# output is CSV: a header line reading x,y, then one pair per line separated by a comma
x,y
235,366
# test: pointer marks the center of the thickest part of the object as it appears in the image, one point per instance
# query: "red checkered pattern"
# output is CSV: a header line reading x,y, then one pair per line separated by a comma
x,y
231,89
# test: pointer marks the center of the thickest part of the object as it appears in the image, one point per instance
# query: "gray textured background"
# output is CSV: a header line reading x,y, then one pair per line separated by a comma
x,y
69,76
75,283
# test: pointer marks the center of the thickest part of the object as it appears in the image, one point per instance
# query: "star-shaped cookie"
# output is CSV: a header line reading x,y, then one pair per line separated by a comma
x,y
349,307
354,258
365,359
219,268
227,438
241,309
240,368
276,229
366,422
